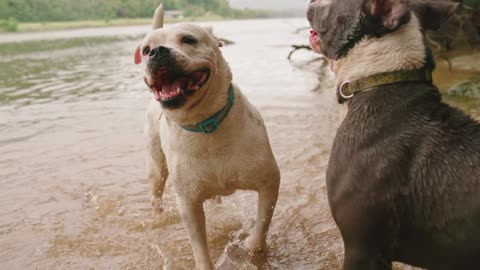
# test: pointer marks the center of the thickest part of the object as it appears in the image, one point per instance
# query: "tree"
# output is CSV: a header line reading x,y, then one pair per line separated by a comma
x,y
65,10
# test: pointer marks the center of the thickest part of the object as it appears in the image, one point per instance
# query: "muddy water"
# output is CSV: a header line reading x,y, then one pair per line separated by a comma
x,y
73,189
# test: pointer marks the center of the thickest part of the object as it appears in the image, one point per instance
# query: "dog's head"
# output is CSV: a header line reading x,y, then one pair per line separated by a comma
x,y
179,61
339,24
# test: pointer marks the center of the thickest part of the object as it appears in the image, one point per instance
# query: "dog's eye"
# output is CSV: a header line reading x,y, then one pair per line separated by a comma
x,y
189,40
146,50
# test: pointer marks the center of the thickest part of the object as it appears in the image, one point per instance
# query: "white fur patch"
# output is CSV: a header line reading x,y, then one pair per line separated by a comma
x,y
200,166
324,2
401,50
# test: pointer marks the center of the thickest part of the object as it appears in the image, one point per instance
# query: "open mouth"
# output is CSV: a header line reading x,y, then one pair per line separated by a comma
x,y
169,85
315,41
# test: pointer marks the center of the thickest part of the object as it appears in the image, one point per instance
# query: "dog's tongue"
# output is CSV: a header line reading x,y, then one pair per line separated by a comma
x,y
315,41
171,89
167,86
174,86
196,80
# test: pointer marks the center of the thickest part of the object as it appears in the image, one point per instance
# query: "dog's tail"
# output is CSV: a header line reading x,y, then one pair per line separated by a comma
x,y
158,17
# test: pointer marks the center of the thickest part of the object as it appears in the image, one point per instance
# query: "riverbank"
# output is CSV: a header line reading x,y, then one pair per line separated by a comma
x,y
463,67
74,191
66,25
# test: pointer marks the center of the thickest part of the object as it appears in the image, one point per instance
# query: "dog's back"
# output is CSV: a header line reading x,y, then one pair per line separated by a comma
x,y
404,175
409,164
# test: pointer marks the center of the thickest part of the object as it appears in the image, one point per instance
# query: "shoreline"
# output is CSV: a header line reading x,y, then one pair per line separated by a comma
x,y
33,27
126,30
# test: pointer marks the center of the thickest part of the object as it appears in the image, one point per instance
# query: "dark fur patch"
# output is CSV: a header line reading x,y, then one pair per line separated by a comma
x,y
403,180
173,103
163,61
176,102
342,24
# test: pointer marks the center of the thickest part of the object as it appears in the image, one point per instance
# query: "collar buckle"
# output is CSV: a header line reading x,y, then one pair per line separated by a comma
x,y
208,126
212,123
349,88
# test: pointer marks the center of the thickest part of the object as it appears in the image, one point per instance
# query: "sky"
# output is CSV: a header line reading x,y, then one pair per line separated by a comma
x,y
279,5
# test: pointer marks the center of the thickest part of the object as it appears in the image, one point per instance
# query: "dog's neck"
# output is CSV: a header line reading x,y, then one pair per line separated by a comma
x,y
211,100
403,49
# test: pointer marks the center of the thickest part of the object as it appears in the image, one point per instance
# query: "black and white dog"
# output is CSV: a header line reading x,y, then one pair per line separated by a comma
x,y
404,174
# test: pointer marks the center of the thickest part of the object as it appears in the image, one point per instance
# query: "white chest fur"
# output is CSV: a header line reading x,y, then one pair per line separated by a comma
x,y
204,165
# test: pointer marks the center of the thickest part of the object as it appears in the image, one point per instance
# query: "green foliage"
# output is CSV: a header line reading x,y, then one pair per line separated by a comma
x,y
471,3
9,25
69,10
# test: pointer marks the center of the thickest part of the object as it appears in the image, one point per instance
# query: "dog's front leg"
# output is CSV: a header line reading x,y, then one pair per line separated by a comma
x,y
357,259
194,219
267,198
156,163
366,233
157,173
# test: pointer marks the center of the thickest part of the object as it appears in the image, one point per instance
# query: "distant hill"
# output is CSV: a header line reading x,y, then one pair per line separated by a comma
x,y
71,10
277,5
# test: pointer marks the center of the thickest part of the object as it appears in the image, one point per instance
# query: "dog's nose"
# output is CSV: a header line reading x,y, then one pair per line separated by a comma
x,y
158,52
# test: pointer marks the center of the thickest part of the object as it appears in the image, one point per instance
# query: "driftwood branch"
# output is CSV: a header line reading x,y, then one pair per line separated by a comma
x,y
225,41
301,29
296,48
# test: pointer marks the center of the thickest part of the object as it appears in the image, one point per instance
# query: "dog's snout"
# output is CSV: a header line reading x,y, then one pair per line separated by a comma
x,y
158,52
311,9
310,13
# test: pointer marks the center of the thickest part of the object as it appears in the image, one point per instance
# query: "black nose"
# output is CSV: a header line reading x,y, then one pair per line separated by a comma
x,y
159,52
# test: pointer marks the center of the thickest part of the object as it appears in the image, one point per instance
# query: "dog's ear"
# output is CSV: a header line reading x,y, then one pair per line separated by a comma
x,y
138,56
158,18
432,14
390,13
210,30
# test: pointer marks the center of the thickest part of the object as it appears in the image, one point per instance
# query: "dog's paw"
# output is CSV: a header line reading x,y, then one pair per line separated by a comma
x,y
255,246
156,205
235,256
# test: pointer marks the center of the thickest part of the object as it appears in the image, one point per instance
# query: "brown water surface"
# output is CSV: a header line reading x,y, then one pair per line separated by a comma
x,y
74,193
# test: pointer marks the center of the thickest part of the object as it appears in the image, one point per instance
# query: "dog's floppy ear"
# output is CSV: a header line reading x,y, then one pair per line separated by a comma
x,y
390,13
432,14
158,18
209,29
138,56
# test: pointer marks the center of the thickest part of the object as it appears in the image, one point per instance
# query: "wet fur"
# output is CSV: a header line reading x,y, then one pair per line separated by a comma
x,y
237,156
403,178
368,56
404,181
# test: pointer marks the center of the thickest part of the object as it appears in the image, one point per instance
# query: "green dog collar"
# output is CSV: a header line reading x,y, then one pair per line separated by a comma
x,y
349,88
212,123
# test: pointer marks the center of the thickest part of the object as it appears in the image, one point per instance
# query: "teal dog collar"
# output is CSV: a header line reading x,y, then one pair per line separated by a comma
x,y
212,123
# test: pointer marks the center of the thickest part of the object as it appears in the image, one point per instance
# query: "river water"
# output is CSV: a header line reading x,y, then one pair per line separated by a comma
x,y
74,193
